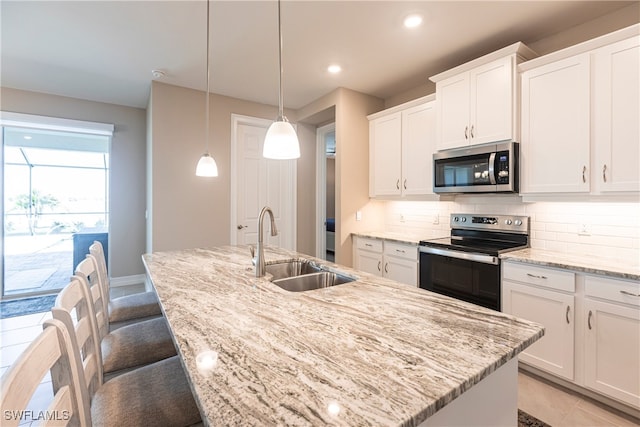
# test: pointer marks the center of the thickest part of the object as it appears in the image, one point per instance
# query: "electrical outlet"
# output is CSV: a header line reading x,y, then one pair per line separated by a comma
x,y
436,219
584,230
358,215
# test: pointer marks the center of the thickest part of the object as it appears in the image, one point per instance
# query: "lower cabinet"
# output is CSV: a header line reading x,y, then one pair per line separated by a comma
x,y
596,347
612,338
532,293
395,261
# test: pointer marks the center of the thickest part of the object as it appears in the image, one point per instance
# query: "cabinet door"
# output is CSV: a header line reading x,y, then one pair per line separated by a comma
x,y
554,352
612,350
491,91
401,270
452,97
616,110
369,262
418,145
385,152
555,127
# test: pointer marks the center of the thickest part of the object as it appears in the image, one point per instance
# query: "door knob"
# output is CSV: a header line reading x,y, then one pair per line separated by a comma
x,y
240,227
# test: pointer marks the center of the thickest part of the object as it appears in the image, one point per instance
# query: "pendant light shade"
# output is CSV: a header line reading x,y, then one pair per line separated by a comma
x,y
281,141
207,166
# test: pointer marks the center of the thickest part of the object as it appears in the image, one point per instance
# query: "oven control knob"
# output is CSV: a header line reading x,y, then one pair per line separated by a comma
x,y
518,222
456,219
464,219
508,221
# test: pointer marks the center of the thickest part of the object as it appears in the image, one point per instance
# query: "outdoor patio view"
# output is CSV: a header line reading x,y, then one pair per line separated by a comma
x,y
56,190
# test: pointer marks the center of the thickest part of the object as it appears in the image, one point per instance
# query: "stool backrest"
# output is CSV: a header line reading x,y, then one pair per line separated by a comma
x,y
87,270
51,351
74,308
97,250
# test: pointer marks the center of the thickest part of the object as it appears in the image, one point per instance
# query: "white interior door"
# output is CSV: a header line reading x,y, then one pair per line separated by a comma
x,y
258,182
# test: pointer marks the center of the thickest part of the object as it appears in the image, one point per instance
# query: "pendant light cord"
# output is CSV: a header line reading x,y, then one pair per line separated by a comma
x,y
281,96
207,103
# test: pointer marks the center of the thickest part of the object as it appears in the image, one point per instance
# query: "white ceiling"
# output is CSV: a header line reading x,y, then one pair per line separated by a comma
x,y
105,50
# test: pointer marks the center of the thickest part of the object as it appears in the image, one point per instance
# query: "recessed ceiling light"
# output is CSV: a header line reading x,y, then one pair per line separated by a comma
x,y
412,21
334,69
27,137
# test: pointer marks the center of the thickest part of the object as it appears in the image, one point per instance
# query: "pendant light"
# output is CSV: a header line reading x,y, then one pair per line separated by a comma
x,y
281,141
207,165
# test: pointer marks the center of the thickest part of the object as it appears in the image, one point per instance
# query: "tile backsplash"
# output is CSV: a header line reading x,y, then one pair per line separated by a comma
x,y
603,229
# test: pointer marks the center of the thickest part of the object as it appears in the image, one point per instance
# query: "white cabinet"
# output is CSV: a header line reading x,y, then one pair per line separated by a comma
x,y
395,261
555,127
616,111
476,106
580,130
612,341
544,296
401,144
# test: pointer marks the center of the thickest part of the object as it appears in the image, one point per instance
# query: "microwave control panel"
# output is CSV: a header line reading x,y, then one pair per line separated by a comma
x,y
502,167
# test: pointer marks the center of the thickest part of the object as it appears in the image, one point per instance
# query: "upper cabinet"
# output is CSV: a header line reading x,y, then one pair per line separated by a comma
x,y
477,101
401,145
580,110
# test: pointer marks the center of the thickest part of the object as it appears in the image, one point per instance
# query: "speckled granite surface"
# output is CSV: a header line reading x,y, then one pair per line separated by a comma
x,y
371,352
579,263
395,237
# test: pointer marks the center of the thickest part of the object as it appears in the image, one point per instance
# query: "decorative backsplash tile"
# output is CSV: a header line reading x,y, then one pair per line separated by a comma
x,y
601,229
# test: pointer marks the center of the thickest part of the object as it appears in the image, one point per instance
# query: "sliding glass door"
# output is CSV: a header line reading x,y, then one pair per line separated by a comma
x,y
55,202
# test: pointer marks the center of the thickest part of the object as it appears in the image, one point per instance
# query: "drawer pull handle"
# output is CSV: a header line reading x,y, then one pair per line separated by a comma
x,y
401,251
397,184
631,294
604,173
405,184
386,267
584,171
472,131
369,245
466,132
589,319
536,276
567,314
379,265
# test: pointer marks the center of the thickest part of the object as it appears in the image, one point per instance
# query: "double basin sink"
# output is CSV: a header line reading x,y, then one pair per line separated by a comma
x,y
304,275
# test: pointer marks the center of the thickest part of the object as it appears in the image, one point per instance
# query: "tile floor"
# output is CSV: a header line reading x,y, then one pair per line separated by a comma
x,y
550,403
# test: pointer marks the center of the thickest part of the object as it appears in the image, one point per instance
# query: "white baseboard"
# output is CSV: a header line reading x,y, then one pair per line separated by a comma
x,y
136,279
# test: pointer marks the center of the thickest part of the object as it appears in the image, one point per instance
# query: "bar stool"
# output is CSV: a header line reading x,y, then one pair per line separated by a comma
x,y
130,346
127,309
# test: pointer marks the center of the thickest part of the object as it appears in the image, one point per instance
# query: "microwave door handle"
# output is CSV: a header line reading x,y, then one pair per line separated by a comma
x,y
492,173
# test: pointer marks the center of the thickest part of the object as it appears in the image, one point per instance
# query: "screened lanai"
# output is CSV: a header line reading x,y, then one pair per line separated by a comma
x,y
55,192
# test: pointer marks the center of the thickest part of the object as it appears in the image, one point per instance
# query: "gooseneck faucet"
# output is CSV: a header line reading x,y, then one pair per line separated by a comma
x,y
259,259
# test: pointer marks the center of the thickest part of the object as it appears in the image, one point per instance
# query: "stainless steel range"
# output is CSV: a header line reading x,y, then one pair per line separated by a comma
x,y
466,265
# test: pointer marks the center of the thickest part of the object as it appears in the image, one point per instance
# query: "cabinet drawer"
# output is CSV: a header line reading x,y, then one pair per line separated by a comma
x,y
539,276
401,251
621,291
374,245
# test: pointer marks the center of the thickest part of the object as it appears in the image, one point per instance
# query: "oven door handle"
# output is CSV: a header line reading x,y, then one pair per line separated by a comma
x,y
485,259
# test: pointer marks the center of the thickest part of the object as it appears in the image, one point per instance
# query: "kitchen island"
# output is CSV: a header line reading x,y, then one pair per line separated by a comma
x,y
369,352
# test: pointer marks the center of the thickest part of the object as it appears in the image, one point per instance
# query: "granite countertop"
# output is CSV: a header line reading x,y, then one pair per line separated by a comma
x,y
383,352
388,235
580,263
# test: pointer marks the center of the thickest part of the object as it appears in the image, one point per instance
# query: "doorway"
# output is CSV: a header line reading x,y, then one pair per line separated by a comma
x,y
258,182
55,192
326,184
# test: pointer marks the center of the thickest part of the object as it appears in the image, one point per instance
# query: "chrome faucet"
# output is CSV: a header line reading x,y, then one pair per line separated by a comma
x,y
259,258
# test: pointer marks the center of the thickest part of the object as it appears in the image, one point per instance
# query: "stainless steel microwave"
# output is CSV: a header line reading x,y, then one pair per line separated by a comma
x,y
487,168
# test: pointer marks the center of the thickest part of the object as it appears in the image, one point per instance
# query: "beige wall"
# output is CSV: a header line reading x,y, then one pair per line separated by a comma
x,y
127,174
306,190
189,211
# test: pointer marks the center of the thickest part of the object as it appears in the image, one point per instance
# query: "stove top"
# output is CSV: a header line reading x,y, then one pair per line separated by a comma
x,y
486,234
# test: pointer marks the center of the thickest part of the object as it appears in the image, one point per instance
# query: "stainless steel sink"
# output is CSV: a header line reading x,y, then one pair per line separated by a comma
x,y
303,275
281,270
308,282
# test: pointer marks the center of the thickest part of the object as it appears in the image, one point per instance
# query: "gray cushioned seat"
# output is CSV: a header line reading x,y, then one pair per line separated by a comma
x,y
154,395
137,344
135,306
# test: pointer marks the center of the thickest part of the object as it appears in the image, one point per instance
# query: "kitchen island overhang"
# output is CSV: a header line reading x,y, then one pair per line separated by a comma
x,y
369,352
